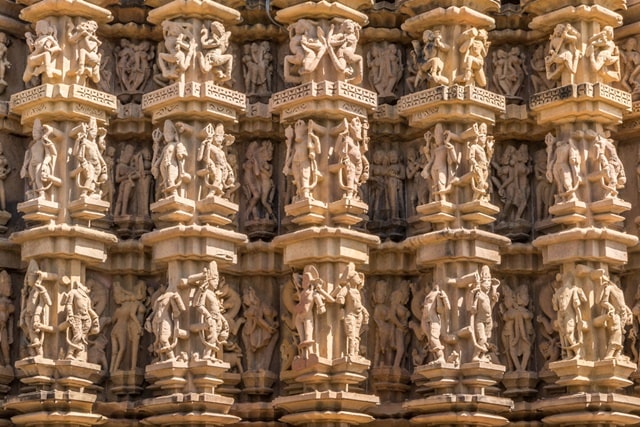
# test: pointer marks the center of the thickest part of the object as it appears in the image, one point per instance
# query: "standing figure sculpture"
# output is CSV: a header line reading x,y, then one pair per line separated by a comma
x,y
311,301
164,322
81,321
563,166
610,174
168,160
384,61
217,175
479,154
91,172
133,64
5,170
303,145
356,317
434,322
260,331
442,162
4,62
7,310
126,178
127,324
517,330
615,317
351,146
418,192
87,56
567,303
44,50
561,62
481,299
630,64
34,310
474,46
258,181
40,161
214,328
257,62
215,43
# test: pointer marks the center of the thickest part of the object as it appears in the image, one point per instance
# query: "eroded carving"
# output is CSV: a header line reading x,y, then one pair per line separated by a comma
x,y
384,61
508,70
4,62
257,65
133,64
7,310
258,181
260,331
517,329
127,324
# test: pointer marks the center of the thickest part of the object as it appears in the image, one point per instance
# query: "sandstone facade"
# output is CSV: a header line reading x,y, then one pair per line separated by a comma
x,y
319,213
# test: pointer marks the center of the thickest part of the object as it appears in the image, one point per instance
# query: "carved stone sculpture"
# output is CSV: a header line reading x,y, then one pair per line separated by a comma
x,y
341,47
7,310
5,170
356,317
517,329
384,61
133,64
81,321
508,70
213,328
258,182
474,46
604,55
217,174
544,188
614,318
214,59
127,324
630,64
44,49
142,163
34,311
126,177
303,145
164,322
306,50
431,60
176,54
351,146
260,331
567,303
91,171
512,181
634,332
479,154
4,62
538,76
168,160
481,299
418,192
311,301
87,57
40,161
378,200
610,173
394,178
257,66
434,322
564,53
563,166
442,162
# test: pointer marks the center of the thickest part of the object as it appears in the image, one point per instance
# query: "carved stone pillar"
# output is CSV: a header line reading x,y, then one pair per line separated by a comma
x,y
583,108
457,112
325,121
194,180
65,169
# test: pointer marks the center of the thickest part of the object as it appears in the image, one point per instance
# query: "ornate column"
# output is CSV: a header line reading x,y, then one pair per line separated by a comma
x,y
458,365
192,212
583,108
65,170
325,121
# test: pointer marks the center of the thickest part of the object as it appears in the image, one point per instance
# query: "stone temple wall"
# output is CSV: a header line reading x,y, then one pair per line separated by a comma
x,y
320,213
